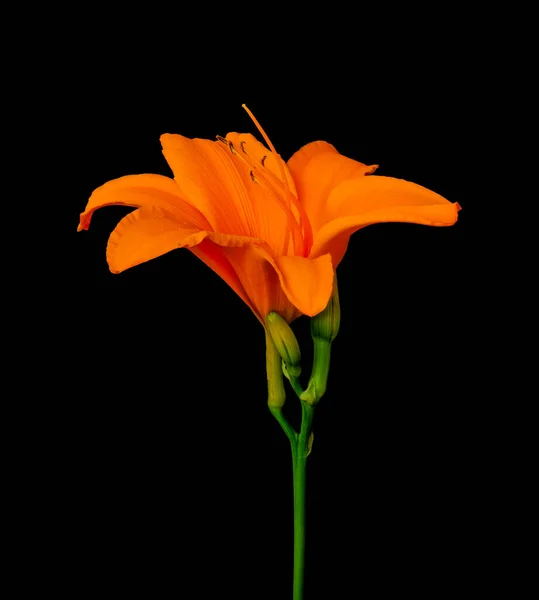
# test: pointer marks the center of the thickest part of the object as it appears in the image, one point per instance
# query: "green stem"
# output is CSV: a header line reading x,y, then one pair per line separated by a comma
x,y
299,443
277,412
299,462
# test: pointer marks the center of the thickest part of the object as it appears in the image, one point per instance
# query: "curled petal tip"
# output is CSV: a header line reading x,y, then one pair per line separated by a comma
x,y
83,223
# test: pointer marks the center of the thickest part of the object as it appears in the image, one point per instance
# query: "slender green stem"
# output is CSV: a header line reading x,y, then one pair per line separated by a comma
x,y
299,459
299,444
277,412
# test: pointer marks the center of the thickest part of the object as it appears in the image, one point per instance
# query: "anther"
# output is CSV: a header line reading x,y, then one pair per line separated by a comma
x,y
220,138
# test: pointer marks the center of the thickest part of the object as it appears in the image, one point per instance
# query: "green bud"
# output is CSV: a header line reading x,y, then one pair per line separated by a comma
x,y
324,329
274,374
286,343
318,381
326,324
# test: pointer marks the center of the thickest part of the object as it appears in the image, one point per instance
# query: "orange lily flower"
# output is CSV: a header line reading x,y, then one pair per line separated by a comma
x,y
274,231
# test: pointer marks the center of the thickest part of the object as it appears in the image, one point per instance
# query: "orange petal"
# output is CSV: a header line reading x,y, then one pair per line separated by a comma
x,y
218,182
317,169
147,233
289,285
142,191
367,200
307,283
260,282
214,257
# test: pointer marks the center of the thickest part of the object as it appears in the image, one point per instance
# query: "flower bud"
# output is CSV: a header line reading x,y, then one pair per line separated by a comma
x,y
286,343
326,324
274,375
324,329
318,381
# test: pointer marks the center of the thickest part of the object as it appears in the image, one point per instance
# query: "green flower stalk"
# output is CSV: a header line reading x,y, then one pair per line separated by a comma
x,y
282,343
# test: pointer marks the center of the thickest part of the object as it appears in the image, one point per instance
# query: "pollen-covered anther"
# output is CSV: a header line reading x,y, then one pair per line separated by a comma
x,y
228,143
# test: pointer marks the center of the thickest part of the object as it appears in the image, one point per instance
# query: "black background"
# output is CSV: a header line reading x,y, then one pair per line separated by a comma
x,y
175,480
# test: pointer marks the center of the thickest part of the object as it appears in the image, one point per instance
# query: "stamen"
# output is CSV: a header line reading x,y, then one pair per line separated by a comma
x,y
304,224
266,138
228,143
302,237
267,186
264,180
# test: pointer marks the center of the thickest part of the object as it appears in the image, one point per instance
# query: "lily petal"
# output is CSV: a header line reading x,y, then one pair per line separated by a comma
x,y
214,257
318,168
260,281
244,263
367,200
147,233
148,191
289,285
307,283
217,180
